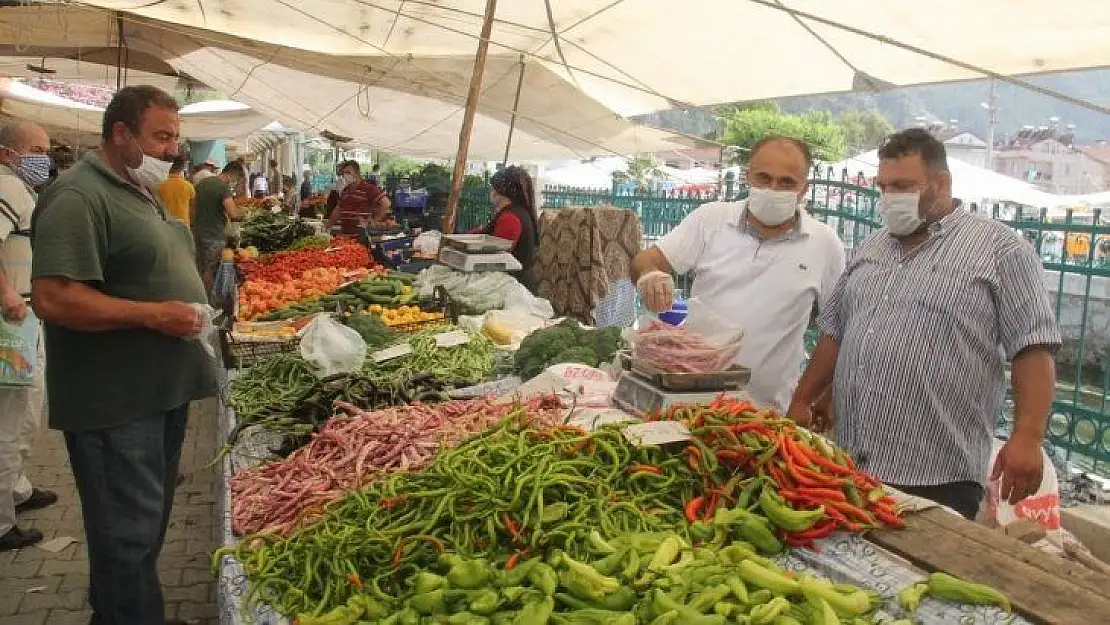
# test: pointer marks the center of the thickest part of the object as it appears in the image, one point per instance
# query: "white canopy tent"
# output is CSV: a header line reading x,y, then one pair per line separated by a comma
x,y
394,73
969,182
406,105
198,122
595,174
635,56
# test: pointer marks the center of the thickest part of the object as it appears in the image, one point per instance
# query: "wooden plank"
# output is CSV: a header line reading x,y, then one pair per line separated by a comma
x,y
468,119
1043,588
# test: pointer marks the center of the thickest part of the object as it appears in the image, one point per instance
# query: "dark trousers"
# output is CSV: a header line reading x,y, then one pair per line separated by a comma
x,y
963,497
126,478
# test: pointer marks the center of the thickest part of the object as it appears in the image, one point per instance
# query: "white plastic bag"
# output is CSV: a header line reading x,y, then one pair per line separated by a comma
x,y
515,323
1042,507
209,334
519,300
427,243
332,347
710,345
713,328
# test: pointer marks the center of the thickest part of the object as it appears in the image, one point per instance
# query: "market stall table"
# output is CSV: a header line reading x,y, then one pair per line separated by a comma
x,y
849,558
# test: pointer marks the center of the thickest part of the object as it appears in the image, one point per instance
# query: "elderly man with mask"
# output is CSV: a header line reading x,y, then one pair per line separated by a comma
x,y
24,166
915,335
762,263
115,284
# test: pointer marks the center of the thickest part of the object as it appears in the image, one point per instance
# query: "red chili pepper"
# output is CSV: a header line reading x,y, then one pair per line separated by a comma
x,y
823,493
780,478
851,511
645,468
821,461
711,508
756,425
792,453
510,526
511,563
888,516
693,509
823,479
353,578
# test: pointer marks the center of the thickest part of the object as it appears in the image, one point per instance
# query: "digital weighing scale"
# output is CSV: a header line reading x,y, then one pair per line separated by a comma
x,y
636,394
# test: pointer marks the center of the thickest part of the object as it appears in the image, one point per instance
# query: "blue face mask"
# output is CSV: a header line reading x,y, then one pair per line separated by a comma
x,y
34,169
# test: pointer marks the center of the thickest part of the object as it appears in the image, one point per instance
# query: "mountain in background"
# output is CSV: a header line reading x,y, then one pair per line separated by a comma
x,y
961,101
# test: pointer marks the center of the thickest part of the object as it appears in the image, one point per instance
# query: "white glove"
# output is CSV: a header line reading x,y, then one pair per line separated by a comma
x,y
656,288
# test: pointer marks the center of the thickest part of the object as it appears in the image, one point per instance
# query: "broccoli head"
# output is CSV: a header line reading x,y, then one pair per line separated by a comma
x,y
605,342
537,349
582,354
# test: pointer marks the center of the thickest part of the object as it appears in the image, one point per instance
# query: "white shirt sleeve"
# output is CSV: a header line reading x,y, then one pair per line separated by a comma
x,y
10,190
684,245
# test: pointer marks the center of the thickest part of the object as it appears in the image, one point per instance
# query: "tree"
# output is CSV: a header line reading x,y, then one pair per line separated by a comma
x,y
864,129
641,170
743,127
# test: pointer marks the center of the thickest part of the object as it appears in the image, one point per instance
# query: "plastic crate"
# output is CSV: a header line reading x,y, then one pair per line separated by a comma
x,y
393,252
410,199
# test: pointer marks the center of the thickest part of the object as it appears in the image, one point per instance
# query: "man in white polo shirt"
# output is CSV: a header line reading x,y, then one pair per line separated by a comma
x,y
763,263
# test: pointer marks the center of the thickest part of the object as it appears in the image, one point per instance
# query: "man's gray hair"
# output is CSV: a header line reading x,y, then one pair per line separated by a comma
x,y
14,134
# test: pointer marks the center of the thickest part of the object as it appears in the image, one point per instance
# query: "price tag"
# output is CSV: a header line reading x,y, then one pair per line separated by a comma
x,y
452,338
404,349
591,419
656,433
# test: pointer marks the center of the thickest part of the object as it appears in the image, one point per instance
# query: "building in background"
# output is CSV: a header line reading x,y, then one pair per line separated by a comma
x,y
964,145
1048,159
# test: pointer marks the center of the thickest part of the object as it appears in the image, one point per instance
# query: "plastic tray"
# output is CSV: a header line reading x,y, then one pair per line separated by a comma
x,y
736,378
477,243
478,262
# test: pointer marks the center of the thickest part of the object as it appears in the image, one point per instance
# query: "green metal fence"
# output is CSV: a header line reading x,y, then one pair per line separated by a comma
x,y
1075,251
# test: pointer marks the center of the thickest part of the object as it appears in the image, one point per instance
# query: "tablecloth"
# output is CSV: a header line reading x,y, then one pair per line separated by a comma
x,y
848,558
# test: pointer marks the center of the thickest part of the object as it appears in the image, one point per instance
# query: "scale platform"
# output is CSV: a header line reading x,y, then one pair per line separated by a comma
x,y
638,396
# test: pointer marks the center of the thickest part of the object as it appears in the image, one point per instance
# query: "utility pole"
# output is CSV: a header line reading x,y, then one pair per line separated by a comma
x,y
992,119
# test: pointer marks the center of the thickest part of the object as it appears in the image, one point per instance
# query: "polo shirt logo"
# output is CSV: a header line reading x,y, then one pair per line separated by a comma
x,y
803,267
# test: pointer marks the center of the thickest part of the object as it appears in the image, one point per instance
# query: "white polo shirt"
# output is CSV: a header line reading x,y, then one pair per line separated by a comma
x,y
767,287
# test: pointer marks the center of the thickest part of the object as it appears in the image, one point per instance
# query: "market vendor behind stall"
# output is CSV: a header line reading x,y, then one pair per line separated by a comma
x,y
764,263
360,204
515,219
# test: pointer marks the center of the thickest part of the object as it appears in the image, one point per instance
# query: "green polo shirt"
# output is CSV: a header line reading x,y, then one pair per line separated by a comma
x,y
94,227
211,221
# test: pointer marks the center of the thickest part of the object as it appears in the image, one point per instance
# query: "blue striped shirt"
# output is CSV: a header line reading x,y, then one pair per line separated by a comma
x,y
923,336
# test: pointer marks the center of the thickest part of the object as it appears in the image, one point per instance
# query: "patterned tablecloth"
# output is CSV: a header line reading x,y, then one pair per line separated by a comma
x,y
843,558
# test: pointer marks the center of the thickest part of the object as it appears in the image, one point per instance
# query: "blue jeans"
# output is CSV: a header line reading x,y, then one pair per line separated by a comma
x,y
126,478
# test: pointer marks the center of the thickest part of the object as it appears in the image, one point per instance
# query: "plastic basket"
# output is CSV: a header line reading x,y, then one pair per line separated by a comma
x,y
238,354
393,252
408,199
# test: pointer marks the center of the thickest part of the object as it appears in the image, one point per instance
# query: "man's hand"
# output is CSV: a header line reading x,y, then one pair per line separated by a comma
x,y
822,410
176,319
1019,464
13,306
801,411
656,288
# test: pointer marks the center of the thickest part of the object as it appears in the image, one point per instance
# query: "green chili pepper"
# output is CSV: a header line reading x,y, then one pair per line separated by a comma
x,y
536,612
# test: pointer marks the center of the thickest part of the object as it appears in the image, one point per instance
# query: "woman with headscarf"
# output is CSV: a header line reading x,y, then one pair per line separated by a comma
x,y
516,219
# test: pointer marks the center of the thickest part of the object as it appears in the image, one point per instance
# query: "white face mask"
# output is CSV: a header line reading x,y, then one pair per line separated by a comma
x,y
772,208
901,212
152,172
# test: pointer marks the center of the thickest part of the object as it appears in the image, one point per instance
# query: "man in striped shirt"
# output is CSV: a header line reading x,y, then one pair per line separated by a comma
x,y
914,336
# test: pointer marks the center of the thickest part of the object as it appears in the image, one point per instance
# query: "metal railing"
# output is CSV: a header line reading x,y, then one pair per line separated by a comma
x,y
1074,248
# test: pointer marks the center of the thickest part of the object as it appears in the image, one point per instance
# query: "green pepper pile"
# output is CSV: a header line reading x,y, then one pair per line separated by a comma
x,y
639,578
471,362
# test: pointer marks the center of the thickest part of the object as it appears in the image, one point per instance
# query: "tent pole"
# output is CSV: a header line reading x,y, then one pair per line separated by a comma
x,y
468,119
516,104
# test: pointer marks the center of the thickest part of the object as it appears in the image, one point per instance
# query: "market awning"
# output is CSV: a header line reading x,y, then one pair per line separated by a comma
x,y
404,104
636,56
21,101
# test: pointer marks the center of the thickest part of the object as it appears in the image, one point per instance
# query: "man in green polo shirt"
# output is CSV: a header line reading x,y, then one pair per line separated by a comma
x,y
114,281
213,208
